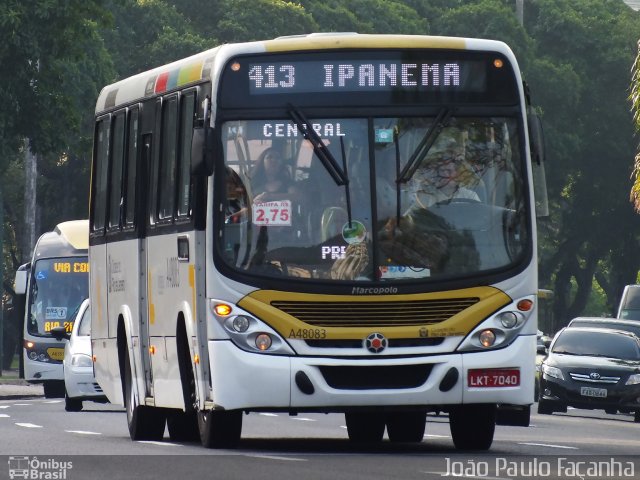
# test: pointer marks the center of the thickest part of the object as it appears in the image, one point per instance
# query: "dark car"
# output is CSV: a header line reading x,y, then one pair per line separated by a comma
x,y
591,368
632,326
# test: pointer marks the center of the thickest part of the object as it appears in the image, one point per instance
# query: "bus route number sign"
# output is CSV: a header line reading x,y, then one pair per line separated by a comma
x,y
272,213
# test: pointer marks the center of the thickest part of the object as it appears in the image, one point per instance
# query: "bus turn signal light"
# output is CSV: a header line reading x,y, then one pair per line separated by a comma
x,y
525,305
222,309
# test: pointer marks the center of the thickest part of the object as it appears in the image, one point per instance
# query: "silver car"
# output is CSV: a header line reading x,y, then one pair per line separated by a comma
x,y
79,382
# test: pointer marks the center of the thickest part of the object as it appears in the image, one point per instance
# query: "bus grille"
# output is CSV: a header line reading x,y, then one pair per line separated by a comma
x,y
375,314
371,378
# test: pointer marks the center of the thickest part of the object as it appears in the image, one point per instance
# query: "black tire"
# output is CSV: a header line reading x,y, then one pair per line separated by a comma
x,y
220,429
406,426
365,427
545,407
54,389
145,423
472,426
183,427
636,416
72,404
611,411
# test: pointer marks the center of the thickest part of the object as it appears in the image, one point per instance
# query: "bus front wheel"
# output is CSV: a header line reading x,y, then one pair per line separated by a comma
x,y
406,426
220,429
366,427
472,426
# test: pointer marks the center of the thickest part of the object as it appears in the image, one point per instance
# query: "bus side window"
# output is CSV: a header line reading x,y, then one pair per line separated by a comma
x,y
117,159
187,112
130,167
100,177
168,159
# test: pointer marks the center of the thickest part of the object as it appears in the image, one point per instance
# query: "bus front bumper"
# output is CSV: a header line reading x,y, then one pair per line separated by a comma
x,y
250,381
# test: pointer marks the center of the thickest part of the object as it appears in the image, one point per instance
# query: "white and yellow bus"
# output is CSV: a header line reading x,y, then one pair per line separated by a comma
x,y
54,284
333,283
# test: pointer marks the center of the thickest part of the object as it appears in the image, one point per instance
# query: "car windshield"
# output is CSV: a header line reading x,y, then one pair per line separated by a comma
x,y
388,206
597,344
58,287
635,329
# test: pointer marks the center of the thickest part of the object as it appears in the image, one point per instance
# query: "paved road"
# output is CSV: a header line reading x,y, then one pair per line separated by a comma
x,y
304,447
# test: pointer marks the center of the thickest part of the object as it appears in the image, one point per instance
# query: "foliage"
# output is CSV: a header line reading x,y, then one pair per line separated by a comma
x,y
575,56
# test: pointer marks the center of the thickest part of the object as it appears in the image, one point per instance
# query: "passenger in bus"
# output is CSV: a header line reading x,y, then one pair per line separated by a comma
x,y
271,179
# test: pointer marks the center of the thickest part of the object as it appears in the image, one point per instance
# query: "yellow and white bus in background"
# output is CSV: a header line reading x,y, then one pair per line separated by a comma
x,y
221,284
54,284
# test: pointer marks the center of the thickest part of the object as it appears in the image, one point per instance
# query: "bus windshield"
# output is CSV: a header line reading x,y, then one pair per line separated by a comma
x,y
422,198
58,287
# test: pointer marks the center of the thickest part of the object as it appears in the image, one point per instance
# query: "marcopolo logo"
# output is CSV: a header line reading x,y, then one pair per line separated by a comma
x,y
34,468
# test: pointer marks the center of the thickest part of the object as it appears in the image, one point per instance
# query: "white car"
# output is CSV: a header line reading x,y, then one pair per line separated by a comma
x,y
79,382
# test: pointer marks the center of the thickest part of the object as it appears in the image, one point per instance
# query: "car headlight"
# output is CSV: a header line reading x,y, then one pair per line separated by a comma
x,y
81,360
552,372
633,379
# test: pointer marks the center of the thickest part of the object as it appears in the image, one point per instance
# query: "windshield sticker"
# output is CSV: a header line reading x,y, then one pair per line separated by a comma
x,y
384,135
272,213
55,313
354,233
398,271
41,275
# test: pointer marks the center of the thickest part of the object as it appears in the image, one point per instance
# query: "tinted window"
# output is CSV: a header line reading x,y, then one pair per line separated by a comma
x,y
166,192
117,158
597,344
132,160
187,111
100,174
617,326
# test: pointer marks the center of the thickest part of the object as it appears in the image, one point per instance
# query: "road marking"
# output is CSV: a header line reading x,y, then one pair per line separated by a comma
x,y
268,414
4,406
22,404
4,415
273,457
162,444
82,432
437,436
303,419
548,445
53,401
28,425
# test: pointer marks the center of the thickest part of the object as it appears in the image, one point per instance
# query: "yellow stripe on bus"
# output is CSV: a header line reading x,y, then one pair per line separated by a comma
x,y
363,41
489,300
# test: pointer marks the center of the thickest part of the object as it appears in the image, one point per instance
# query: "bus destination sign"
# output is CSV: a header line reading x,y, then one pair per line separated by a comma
x,y
365,76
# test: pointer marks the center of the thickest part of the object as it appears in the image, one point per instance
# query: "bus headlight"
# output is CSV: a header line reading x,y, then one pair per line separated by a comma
x,y
263,341
487,338
240,323
246,331
500,329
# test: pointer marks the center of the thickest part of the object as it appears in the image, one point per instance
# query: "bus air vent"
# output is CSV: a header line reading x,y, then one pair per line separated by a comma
x,y
375,314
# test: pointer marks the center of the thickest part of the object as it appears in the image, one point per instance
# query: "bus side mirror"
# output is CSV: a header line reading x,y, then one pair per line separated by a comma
x,y
202,151
22,276
59,333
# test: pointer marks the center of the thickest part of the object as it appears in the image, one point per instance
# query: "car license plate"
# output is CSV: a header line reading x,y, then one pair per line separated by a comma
x,y
593,392
55,353
493,377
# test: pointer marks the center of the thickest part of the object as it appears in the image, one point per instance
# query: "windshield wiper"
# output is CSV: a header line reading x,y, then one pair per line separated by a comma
x,y
339,175
322,152
423,148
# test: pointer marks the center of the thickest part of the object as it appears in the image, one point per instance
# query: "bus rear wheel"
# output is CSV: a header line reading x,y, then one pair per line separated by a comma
x,y
145,423
472,426
220,429
72,404
53,388
406,426
366,427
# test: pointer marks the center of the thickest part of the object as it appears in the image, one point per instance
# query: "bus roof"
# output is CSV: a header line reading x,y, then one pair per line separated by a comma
x,y
206,65
67,239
